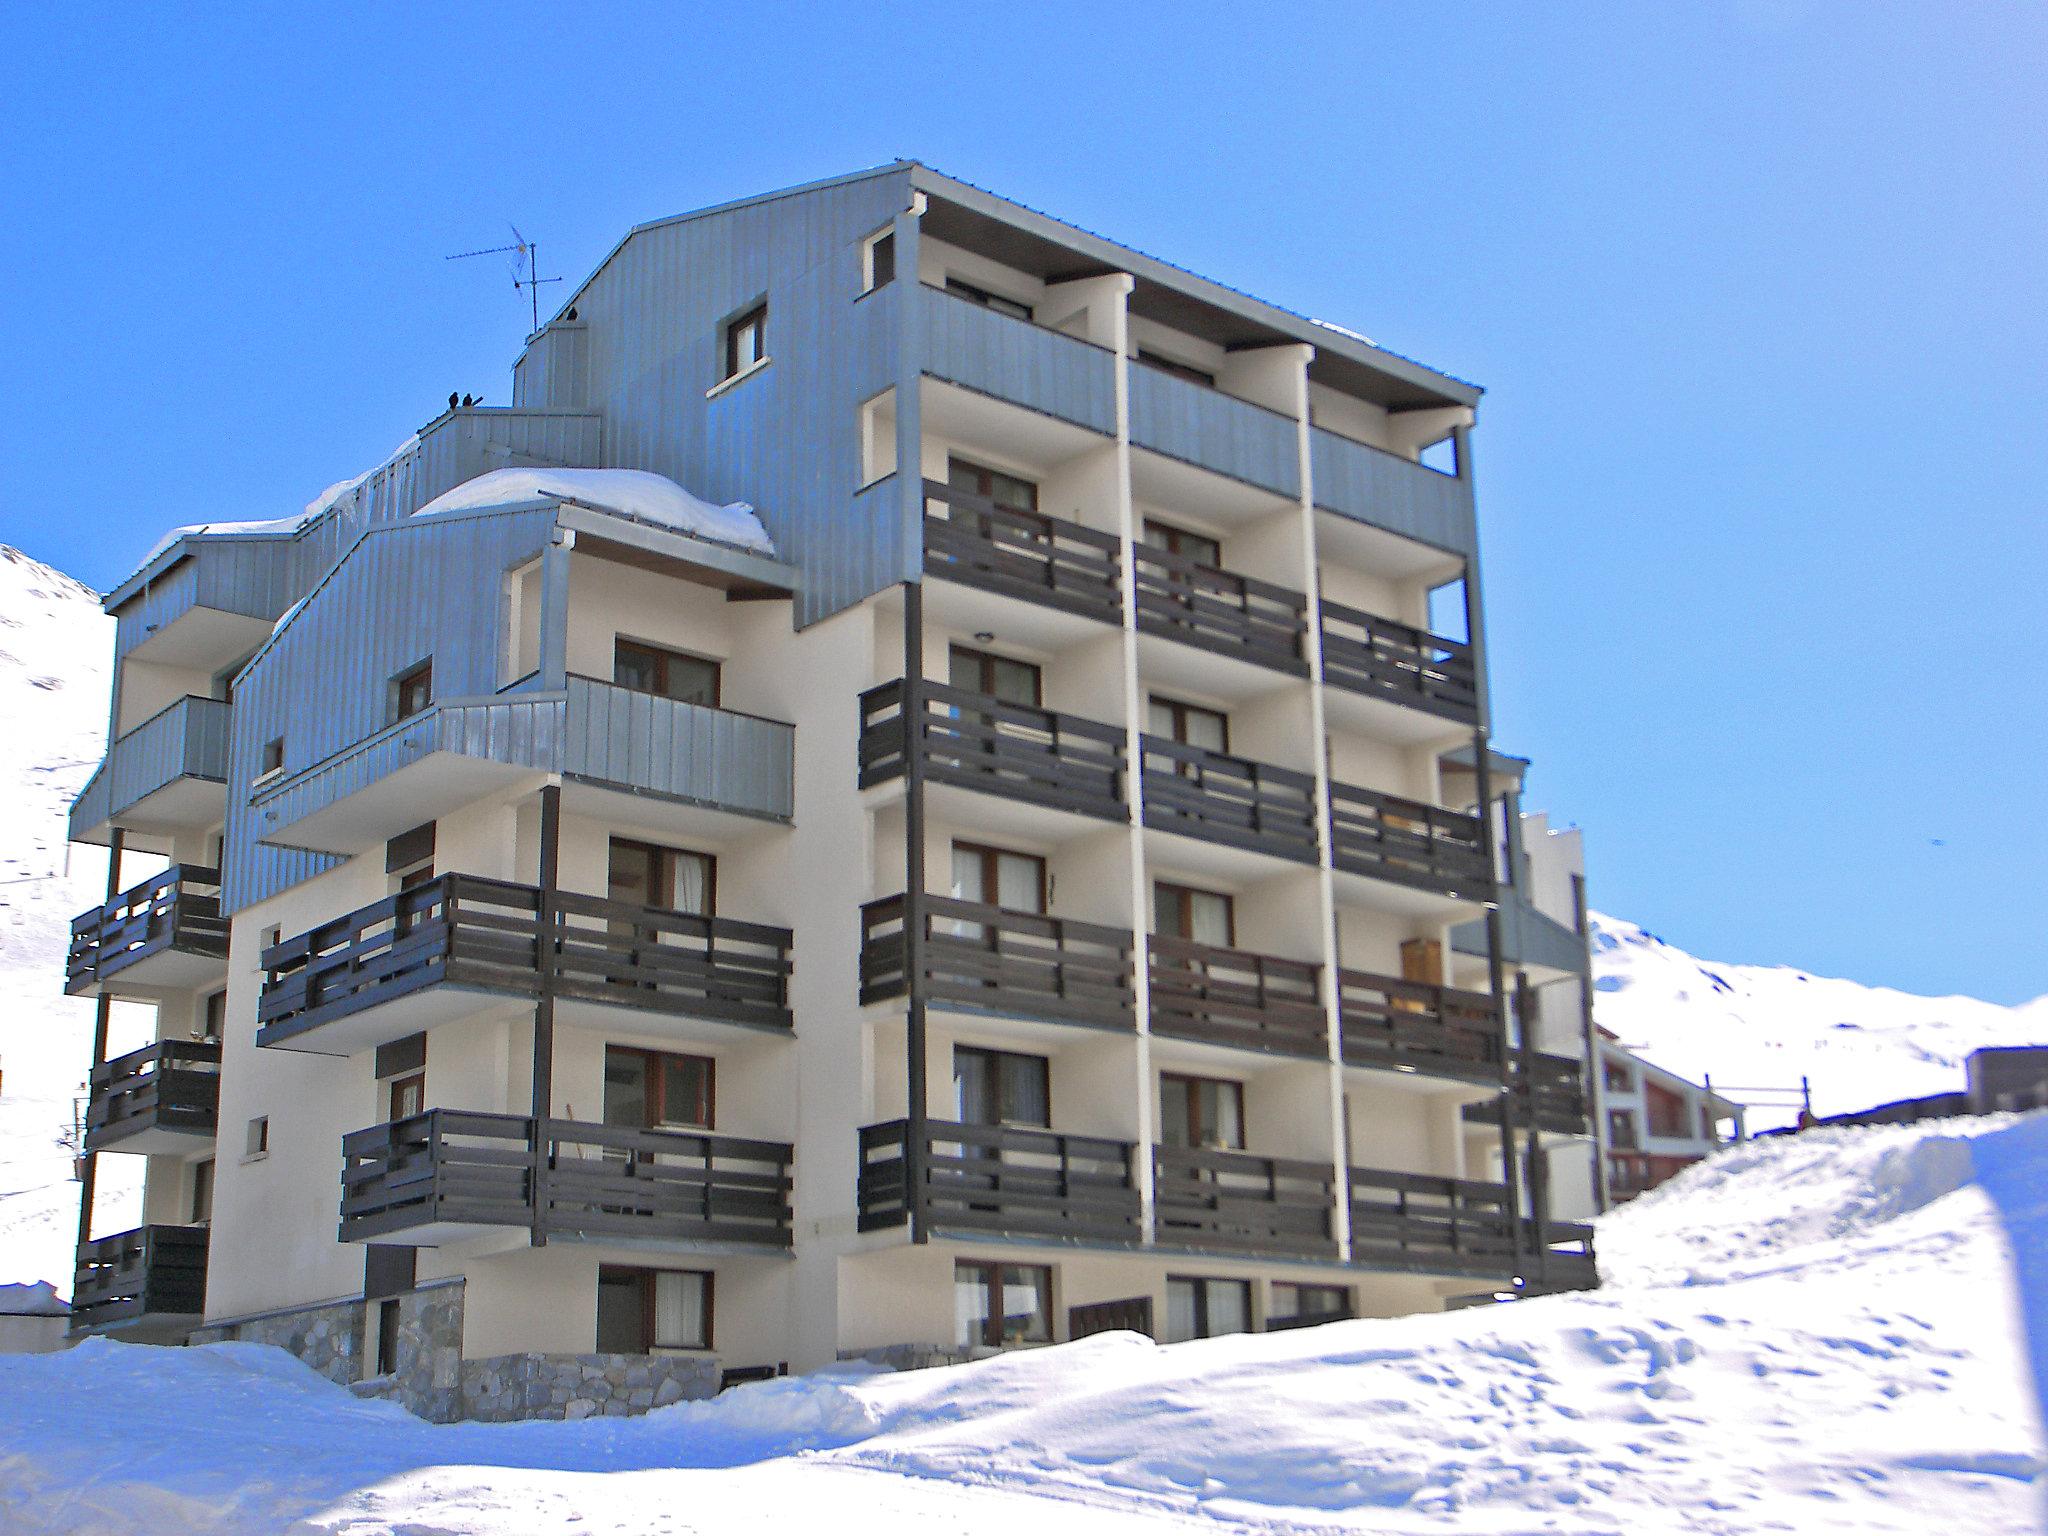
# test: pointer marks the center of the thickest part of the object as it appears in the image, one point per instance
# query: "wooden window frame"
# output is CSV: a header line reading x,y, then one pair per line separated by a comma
x,y
1191,1084
665,864
663,655
420,676
644,1277
394,1087
1347,1306
872,260
993,1058
657,1085
991,880
1184,910
1201,1284
1170,537
1179,710
1179,370
984,477
202,1191
991,1275
989,299
756,317
984,661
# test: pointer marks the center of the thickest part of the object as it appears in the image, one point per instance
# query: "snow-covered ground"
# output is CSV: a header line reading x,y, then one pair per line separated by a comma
x,y
1815,1335
1757,1026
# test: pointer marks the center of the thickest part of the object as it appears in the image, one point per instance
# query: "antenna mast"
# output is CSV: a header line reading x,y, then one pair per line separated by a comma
x,y
525,278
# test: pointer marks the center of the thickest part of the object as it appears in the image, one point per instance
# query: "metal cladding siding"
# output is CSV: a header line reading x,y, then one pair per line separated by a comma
x,y
188,739
785,439
553,373
232,573
1204,426
1388,491
418,589
710,756
971,345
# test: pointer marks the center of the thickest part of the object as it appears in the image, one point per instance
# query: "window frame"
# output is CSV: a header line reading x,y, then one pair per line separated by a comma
x,y
1171,537
663,657
655,1103
1184,911
1187,372
990,1273
989,299
994,1059
1347,1301
1191,1084
1178,713
646,1278
871,260
420,675
662,866
1201,1285
985,662
754,317
991,858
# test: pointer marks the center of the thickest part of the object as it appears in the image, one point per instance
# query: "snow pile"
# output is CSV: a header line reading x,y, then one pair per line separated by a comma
x,y
633,493
37,1300
1764,1026
1824,1335
55,650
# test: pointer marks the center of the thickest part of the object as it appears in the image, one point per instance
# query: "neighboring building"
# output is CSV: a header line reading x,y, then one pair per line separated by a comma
x,y
33,1319
613,945
1655,1124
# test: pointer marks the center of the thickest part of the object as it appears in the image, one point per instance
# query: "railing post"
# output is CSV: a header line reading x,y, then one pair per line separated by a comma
x,y
916,1129
102,1015
547,913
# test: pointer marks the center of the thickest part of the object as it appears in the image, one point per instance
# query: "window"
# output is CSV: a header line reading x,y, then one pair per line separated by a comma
x,y
997,1304
1001,1088
1200,917
1186,371
666,879
1000,677
881,261
746,341
1201,1308
273,757
1198,547
648,1090
1294,1303
1201,1112
386,1363
213,1017
257,1143
642,1310
1016,309
406,1096
1616,1076
202,1192
668,674
1621,1128
412,692
1012,492
1665,1110
1189,724
998,878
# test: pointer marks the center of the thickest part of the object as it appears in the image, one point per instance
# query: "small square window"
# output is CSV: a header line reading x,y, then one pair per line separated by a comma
x,y
273,756
746,341
258,1140
412,692
881,262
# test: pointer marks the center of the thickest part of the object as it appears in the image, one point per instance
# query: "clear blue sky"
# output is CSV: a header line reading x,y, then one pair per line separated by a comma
x,y
1756,291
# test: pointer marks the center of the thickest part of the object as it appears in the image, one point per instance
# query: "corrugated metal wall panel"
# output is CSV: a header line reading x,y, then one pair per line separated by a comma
x,y
189,739
1391,492
1015,360
1190,421
711,756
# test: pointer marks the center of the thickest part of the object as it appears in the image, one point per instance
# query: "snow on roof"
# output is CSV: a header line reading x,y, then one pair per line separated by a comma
x,y
37,1300
633,493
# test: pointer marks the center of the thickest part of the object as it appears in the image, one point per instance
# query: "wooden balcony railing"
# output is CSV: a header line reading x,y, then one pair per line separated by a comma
x,y
1388,1022
980,543
1224,799
178,910
1001,1179
457,1168
1422,1222
1364,653
1408,842
995,960
1243,1203
1549,1093
156,1272
1221,611
491,935
172,1086
1234,997
1558,1256
978,742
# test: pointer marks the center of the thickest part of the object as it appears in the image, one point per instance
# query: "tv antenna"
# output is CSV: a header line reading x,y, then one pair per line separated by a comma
x,y
526,276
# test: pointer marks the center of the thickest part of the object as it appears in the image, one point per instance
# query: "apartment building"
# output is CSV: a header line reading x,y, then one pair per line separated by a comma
x,y
1656,1124
915,793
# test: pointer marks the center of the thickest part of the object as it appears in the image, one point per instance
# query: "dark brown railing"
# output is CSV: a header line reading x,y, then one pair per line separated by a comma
x,y
1422,1222
1220,610
1559,1256
1234,997
1241,1202
1002,1179
996,960
1409,842
980,543
151,1272
453,1167
1549,1093
979,742
1364,653
173,1085
1224,799
488,934
1388,1022
176,910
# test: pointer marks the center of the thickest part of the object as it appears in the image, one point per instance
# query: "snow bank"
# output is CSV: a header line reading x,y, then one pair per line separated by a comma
x,y
1839,1372
37,1300
633,493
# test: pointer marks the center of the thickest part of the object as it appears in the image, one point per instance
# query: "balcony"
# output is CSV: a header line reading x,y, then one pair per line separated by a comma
x,y
1216,798
1002,1180
1631,1172
449,1174
1370,485
1010,359
976,742
149,1283
976,542
1399,664
988,959
1429,1225
1559,1256
1549,1093
163,935
1236,998
1241,1203
431,953
1220,611
1200,425
1385,837
680,763
1398,1025
162,1098
166,776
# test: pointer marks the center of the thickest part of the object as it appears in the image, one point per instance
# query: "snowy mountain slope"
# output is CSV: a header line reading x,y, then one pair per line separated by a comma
x,y
55,651
1820,1335
1755,1025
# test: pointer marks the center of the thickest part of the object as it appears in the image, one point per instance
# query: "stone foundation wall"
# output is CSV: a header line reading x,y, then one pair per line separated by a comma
x,y
327,1337
539,1386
